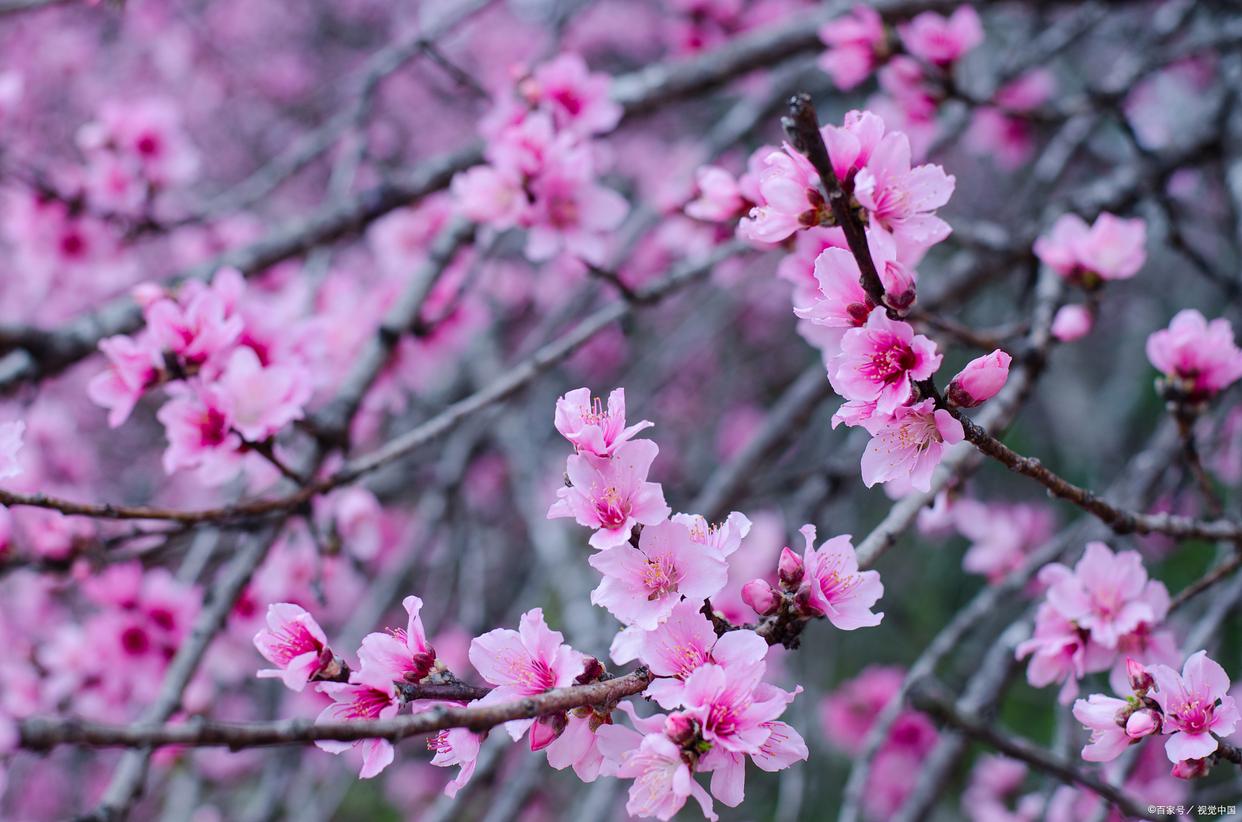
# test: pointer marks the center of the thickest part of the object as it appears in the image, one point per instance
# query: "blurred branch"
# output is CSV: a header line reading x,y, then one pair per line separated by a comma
x,y
931,698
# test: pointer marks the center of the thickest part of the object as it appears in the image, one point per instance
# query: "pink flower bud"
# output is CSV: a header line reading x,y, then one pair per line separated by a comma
x,y
681,729
546,730
979,380
1141,723
1072,322
1140,680
1191,768
899,285
760,595
789,569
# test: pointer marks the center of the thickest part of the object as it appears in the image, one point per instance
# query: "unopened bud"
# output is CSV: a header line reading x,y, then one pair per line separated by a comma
x,y
760,595
979,380
592,671
1140,680
681,729
899,286
546,730
1143,722
789,569
1072,322
1191,768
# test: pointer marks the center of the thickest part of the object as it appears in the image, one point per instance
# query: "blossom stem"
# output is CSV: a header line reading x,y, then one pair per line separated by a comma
x,y
802,127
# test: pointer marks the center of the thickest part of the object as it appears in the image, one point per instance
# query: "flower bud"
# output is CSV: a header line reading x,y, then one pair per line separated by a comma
x,y
592,671
423,665
789,569
1142,722
546,730
760,595
1072,322
681,729
1191,768
979,380
899,286
1140,680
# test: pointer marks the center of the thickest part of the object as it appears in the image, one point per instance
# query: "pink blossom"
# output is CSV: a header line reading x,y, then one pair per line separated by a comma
x,y
491,196
294,643
456,746
1104,594
782,747
854,41
723,539
583,421
980,380
10,445
910,103
832,585
352,700
995,131
1197,707
790,199
570,212
1001,536
1058,652
641,585
940,40
199,425
662,780
900,198
841,302
400,655
612,495
577,747
686,641
1111,249
134,365
1072,322
1197,357
198,331
718,198
146,133
1102,715
577,99
723,703
907,448
262,399
879,360
525,662
852,144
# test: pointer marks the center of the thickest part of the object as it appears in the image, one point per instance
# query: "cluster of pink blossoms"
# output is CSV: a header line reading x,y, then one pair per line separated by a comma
x,y
231,383
135,151
874,359
1094,617
659,573
1112,248
915,64
1192,710
542,167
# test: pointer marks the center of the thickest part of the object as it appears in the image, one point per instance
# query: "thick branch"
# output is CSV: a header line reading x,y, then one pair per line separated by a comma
x,y
45,734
